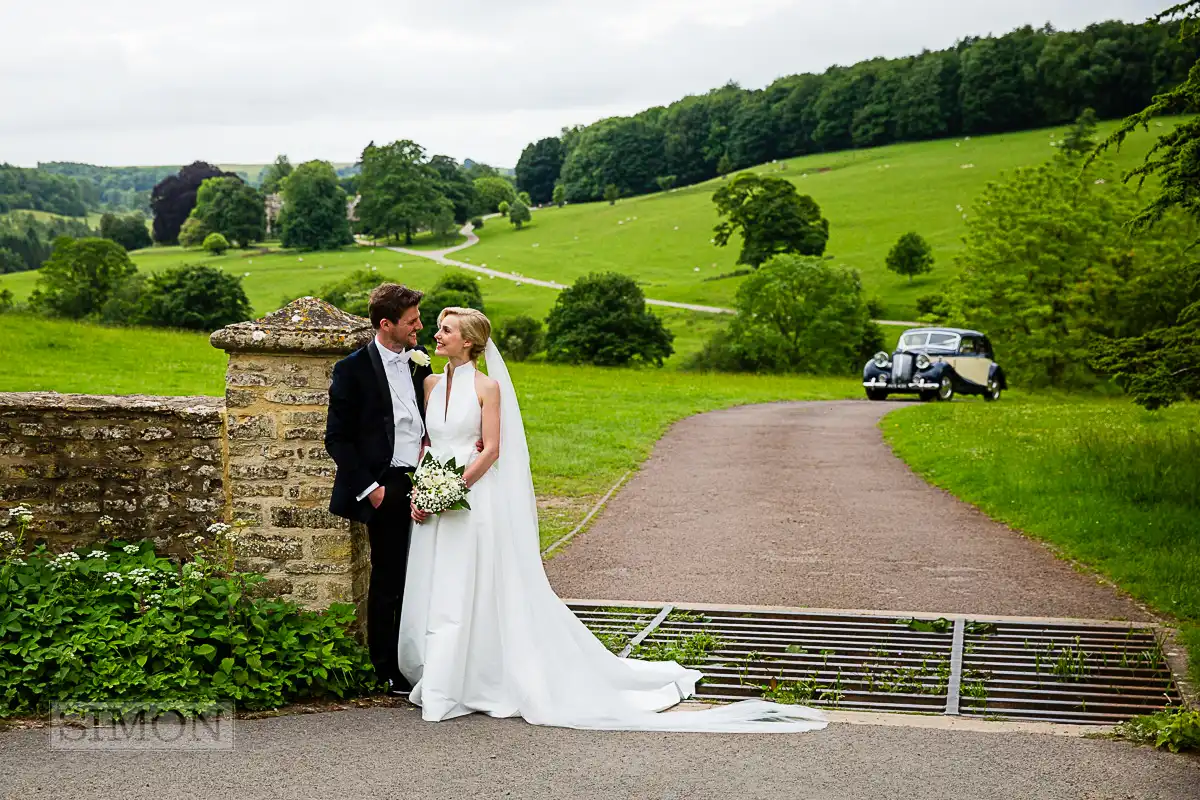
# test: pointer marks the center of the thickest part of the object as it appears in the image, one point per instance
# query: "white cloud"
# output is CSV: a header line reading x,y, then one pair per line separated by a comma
x,y
134,81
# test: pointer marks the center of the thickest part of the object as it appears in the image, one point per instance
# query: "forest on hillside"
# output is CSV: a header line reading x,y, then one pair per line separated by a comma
x,y
1028,78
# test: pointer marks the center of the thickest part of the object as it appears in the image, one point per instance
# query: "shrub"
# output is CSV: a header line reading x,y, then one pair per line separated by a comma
x,y
10,261
194,297
7,302
1176,729
797,314
518,214
129,231
79,276
352,292
503,208
215,243
603,320
454,288
612,193
193,233
477,223
116,622
520,337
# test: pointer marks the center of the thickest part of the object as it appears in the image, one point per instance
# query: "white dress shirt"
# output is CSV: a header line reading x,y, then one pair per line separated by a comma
x,y
406,414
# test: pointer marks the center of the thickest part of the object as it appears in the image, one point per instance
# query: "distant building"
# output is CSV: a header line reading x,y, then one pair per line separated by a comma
x,y
273,204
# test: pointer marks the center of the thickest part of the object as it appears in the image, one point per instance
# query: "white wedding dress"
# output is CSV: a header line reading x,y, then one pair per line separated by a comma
x,y
481,629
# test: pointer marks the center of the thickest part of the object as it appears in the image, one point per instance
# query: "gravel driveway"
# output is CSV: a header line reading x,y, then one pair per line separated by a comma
x,y
802,504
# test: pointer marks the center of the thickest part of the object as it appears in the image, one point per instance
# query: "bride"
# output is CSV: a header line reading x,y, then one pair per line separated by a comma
x,y
481,629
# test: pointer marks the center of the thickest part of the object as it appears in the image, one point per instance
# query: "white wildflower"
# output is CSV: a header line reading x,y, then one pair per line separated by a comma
x,y
113,577
1099,181
98,554
106,521
131,548
21,514
219,528
7,539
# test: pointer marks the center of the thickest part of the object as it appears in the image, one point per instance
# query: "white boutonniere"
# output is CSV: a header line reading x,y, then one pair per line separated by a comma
x,y
420,358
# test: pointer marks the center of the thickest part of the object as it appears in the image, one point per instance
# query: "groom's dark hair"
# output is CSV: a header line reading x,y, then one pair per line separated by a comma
x,y
390,300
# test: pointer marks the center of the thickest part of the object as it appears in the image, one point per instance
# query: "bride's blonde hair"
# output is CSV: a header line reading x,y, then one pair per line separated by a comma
x,y
473,325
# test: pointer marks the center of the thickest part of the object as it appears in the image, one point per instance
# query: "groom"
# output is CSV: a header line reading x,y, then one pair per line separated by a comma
x,y
375,433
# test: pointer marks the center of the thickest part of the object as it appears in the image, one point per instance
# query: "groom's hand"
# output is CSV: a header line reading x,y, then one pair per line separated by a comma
x,y
376,497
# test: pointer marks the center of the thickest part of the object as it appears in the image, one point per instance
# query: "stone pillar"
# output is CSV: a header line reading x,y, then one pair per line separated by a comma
x,y
278,476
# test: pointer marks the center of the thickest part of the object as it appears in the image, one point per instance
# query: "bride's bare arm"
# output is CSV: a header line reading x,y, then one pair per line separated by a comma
x,y
489,398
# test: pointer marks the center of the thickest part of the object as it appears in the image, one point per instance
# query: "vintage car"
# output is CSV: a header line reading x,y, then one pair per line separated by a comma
x,y
936,364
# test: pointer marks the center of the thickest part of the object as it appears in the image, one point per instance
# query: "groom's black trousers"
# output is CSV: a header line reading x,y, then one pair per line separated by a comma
x,y
389,531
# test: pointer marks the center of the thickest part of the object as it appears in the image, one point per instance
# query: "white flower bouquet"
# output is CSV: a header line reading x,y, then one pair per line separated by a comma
x,y
439,487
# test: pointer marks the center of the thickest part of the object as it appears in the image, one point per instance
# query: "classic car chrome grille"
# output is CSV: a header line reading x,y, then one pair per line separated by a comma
x,y
902,368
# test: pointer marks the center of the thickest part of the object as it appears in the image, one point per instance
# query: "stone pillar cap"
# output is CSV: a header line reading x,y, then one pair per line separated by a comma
x,y
306,325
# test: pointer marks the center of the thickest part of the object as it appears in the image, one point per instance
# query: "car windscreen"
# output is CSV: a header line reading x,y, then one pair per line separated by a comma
x,y
910,340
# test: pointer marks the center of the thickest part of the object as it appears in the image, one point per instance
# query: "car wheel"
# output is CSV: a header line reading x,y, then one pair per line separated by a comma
x,y
877,394
945,390
992,393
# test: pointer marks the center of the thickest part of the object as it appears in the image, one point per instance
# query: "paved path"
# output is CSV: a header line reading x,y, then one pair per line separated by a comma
x,y
802,504
390,753
442,257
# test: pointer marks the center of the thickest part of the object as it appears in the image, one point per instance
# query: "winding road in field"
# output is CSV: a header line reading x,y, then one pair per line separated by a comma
x,y
442,257
803,504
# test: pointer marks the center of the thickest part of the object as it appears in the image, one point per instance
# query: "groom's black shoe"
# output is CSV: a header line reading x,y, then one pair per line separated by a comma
x,y
398,687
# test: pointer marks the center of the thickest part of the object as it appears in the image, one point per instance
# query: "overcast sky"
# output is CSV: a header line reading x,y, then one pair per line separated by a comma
x,y
238,81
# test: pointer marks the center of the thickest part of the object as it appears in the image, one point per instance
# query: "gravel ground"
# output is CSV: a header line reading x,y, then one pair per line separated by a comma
x,y
390,753
802,504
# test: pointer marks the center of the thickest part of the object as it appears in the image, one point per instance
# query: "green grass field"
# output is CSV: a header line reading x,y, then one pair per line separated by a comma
x,y
586,425
1107,483
871,197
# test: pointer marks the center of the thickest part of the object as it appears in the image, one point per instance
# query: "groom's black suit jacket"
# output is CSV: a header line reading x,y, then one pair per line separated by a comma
x,y
360,430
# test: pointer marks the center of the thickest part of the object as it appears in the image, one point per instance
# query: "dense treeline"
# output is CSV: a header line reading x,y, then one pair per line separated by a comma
x,y
37,190
26,242
112,188
1027,78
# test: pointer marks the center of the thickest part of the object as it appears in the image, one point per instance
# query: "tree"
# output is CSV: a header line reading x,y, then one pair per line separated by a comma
x,y
1048,265
442,223
231,208
11,261
504,207
174,197
724,165
456,186
518,214
665,182
520,337
78,277
559,196
492,191
215,243
314,209
274,175
538,169
1081,137
1162,365
612,194
454,288
194,297
911,255
399,190
771,216
603,320
129,231
628,153
800,314
523,197
193,233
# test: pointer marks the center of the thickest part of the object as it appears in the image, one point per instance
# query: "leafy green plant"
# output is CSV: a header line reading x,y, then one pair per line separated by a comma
x,y
1176,729
691,649
117,622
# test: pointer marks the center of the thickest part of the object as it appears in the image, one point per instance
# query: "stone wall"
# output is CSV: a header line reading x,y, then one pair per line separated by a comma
x,y
152,464
279,475
160,466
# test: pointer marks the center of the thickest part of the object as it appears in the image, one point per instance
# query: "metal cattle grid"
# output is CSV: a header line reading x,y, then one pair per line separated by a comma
x,y
1046,670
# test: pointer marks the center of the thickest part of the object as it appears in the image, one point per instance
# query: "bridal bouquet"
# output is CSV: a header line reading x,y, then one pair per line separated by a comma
x,y
439,487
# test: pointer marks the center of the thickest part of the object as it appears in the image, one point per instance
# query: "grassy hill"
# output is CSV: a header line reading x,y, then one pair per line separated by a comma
x,y
871,197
